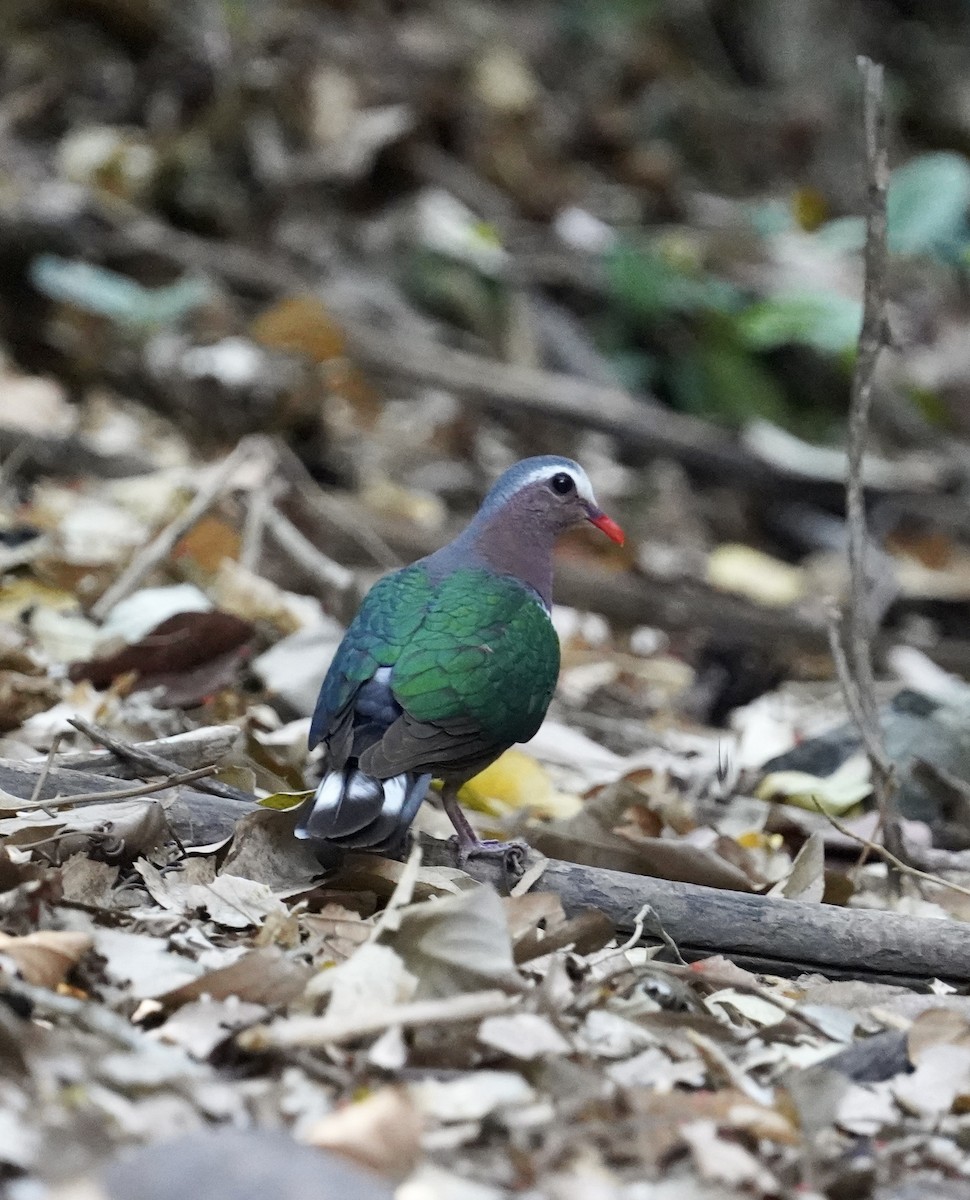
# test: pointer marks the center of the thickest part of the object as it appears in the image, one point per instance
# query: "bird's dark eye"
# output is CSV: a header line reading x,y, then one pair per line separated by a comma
x,y
562,484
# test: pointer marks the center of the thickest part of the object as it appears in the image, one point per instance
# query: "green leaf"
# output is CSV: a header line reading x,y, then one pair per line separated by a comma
x,y
648,285
721,378
108,294
285,801
823,320
927,203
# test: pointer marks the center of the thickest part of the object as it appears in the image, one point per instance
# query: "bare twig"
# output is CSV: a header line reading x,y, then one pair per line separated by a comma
x,y
254,528
331,509
330,575
162,545
852,645
870,344
887,855
183,751
46,769
151,762
326,1031
145,789
852,693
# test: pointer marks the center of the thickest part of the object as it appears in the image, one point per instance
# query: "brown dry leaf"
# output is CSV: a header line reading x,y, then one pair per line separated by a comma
x,y
587,843
229,900
23,696
208,543
525,913
177,646
245,594
661,1117
265,851
369,873
46,957
806,879
265,976
300,324
459,944
382,1131
337,932
142,966
18,594
86,881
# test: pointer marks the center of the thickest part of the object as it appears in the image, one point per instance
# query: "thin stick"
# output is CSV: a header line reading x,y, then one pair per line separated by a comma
x,y
332,509
254,528
326,1031
162,545
870,344
893,860
153,763
854,665
144,789
854,701
46,768
330,575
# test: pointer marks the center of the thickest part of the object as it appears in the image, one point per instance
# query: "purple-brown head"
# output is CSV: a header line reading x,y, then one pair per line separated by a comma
x,y
554,492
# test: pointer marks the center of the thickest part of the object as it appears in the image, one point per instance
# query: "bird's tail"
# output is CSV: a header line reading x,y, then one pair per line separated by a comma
x,y
354,811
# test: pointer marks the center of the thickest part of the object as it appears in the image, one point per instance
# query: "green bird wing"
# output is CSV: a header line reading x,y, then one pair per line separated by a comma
x,y
482,664
391,614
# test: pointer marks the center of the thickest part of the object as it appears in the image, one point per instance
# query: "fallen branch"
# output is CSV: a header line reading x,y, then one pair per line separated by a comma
x,y
612,410
194,817
782,937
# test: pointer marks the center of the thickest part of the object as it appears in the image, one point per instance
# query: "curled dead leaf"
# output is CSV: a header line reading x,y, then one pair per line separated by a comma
x,y
382,1131
46,957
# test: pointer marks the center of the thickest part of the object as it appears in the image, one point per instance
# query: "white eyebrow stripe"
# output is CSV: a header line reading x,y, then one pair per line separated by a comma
x,y
583,486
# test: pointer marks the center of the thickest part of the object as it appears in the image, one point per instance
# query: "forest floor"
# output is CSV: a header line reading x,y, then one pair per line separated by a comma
x,y
282,288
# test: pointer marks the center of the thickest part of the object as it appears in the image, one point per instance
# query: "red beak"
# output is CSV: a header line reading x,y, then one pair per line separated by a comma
x,y
608,526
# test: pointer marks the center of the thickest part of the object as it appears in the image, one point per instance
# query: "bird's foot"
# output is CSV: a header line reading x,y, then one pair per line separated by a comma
x,y
511,855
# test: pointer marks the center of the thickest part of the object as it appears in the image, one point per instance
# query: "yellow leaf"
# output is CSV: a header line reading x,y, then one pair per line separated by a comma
x,y
18,595
835,793
285,801
747,572
515,780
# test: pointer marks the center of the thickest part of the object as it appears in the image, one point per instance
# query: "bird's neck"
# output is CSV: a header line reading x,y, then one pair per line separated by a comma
x,y
521,548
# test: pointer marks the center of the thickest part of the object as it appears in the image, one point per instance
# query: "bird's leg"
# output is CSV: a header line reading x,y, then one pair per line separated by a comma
x,y
470,845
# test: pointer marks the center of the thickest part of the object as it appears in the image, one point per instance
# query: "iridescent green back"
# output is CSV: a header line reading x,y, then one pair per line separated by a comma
x,y
475,647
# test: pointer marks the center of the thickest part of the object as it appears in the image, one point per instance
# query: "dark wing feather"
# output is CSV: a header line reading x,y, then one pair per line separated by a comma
x,y
388,617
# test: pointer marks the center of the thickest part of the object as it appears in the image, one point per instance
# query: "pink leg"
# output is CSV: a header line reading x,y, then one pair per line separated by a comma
x,y
470,845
